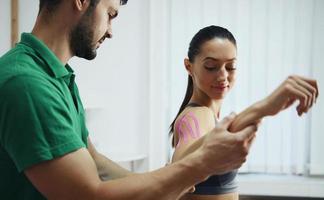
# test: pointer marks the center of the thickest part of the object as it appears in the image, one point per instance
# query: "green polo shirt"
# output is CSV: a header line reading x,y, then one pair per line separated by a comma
x,y
41,114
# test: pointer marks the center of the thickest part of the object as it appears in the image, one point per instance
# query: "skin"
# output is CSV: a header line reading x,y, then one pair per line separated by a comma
x,y
213,74
76,175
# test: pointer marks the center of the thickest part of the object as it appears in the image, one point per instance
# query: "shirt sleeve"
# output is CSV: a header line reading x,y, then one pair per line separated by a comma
x,y
36,123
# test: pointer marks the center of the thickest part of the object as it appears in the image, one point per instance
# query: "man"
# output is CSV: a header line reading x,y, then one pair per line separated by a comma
x,y
45,152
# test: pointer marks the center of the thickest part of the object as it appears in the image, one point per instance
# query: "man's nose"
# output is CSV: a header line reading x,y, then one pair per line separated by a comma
x,y
109,33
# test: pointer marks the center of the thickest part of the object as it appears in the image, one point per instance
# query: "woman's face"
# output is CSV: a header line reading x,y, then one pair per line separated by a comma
x,y
213,69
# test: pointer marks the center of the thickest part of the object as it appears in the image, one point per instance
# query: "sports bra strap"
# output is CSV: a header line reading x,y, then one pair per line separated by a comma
x,y
193,104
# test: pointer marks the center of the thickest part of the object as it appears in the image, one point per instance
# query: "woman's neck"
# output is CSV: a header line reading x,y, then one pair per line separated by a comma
x,y
204,100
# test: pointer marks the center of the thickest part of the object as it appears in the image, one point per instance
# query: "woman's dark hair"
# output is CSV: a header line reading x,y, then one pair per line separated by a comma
x,y
203,35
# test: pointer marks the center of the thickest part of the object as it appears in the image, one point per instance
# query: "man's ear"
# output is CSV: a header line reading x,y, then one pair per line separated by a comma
x,y
81,5
188,66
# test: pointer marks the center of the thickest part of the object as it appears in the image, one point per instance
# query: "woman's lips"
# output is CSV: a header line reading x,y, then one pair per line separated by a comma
x,y
220,87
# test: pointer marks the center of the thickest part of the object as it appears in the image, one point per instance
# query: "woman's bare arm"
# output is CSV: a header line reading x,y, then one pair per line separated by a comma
x,y
294,88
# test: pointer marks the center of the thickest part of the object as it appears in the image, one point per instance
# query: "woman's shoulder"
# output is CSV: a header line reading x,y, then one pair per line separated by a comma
x,y
201,115
199,111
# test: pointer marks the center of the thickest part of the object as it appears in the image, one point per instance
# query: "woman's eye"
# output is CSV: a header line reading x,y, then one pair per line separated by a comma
x,y
210,68
231,67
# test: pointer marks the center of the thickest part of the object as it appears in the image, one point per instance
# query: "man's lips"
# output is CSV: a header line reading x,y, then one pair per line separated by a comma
x,y
102,40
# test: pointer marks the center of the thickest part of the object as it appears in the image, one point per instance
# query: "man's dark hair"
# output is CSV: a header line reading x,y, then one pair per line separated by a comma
x,y
123,2
51,5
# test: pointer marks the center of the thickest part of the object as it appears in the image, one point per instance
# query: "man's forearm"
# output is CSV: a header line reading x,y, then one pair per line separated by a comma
x,y
107,169
74,176
167,183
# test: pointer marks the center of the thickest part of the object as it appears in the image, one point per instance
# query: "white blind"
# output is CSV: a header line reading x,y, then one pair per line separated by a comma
x,y
275,38
317,132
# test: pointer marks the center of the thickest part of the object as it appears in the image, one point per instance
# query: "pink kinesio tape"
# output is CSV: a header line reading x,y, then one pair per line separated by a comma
x,y
184,122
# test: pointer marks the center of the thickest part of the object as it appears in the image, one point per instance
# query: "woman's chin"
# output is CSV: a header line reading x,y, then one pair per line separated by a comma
x,y
219,96
219,93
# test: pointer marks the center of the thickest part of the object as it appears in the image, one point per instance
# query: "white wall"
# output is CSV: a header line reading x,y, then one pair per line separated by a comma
x,y
5,27
28,11
117,81
27,14
317,132
159,57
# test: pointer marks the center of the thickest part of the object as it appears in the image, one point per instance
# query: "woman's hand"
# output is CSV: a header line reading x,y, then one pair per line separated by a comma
x,y
294,88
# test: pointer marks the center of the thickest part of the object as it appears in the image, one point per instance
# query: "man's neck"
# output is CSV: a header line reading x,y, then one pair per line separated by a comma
x,y
56,38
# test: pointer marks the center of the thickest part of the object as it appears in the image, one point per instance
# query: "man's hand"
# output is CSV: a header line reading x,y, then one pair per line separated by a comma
x,y
224,151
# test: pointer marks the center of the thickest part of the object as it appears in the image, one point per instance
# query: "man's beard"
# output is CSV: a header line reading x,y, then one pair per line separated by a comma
x,y
81,38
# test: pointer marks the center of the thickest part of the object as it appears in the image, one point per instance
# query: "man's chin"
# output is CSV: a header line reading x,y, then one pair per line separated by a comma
x,y
89,55
91,58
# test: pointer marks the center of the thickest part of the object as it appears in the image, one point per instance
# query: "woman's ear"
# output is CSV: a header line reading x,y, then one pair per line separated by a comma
x,y
188,66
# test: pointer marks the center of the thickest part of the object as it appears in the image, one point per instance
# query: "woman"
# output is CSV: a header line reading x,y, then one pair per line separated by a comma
x,y
211,66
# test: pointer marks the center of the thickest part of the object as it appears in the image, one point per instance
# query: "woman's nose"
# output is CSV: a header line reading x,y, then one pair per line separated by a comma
x,y
222,74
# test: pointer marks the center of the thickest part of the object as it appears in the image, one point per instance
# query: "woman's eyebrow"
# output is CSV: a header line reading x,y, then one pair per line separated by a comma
x,y
218,60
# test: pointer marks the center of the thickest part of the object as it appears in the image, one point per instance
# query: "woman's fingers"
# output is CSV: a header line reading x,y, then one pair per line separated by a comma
x,y
297,94
310,85
294,88
290,102
304,90
312,82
